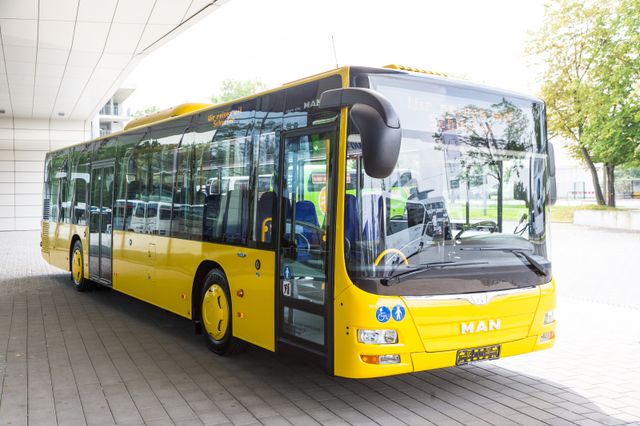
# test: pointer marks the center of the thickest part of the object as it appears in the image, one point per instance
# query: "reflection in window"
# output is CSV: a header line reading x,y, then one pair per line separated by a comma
x,y
149,181
80,183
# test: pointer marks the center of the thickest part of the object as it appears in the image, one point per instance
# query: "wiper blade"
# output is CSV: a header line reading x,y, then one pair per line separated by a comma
x,y
539,269
425,267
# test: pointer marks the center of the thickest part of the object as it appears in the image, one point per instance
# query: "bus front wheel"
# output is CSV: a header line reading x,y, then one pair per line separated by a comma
x,y
77,268
216,315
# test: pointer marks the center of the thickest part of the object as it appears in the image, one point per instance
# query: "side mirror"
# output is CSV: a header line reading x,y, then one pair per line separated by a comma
x,y
377,122
553,190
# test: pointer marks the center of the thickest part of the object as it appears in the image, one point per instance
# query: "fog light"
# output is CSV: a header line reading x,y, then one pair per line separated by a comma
x,y
547,335
378,337
389,359
381,359
549,317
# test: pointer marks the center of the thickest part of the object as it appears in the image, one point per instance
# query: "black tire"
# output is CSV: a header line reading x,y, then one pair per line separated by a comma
x,y
219,341
77,269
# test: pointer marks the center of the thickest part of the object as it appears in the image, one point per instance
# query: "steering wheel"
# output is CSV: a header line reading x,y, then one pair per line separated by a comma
x,y
397,252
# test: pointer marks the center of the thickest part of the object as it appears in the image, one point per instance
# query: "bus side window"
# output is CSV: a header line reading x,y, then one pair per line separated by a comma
x,y
79,184
194,163
67,190
264,190
58,178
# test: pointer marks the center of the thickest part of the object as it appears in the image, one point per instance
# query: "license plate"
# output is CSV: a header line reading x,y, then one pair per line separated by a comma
x,y
466,356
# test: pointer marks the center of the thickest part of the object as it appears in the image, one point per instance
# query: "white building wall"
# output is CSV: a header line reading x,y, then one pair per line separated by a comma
x,y
23,146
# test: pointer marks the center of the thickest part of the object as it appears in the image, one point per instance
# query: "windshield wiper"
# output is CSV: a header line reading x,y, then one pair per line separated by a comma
x,y
425,267
539,269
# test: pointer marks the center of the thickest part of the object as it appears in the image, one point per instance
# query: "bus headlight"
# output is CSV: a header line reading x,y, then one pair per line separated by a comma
x,y
378,337
549,317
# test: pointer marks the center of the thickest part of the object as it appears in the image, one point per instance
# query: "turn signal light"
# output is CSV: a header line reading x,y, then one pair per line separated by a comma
x,y
381,359
548,335
549,317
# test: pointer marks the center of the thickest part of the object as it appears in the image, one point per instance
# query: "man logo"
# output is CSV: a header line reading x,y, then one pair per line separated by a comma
x,y
310,104
472,327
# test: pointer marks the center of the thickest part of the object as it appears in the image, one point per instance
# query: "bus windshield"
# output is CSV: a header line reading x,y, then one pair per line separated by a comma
x,y
465,209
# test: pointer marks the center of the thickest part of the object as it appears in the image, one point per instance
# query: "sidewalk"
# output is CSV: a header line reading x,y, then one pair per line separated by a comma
x,y
104,358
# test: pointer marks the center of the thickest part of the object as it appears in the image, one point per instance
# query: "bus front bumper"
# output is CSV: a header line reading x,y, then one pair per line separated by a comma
x,y
431,360
422,361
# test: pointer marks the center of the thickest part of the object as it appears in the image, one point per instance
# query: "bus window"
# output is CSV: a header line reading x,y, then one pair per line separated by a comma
x,y
80,183
58,184
264,191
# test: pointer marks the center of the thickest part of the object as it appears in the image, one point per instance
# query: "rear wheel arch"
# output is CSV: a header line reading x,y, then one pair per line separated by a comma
x,y
77,258
216,314
198,283
75,238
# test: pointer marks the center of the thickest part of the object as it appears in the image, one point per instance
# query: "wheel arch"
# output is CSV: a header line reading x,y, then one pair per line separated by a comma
x,y
198,283
75,238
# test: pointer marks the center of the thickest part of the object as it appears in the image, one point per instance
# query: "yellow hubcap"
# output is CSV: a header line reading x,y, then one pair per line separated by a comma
x,y
76,266
215,312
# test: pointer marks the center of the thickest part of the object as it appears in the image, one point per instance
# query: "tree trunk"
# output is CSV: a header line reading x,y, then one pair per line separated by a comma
x,y
500,195
594,176
611,189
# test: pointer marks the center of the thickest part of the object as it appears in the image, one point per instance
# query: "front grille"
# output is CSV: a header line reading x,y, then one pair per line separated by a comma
x,y
45,236
46,209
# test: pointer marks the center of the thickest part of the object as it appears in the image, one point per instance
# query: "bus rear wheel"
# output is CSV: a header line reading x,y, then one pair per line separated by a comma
x,y
216,315
77,268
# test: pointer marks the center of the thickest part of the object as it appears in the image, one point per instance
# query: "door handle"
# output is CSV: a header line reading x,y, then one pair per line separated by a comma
x,y
241,254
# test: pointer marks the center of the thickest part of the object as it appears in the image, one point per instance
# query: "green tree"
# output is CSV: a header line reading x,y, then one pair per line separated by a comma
x,y
234,89
614,128
590,53
568,46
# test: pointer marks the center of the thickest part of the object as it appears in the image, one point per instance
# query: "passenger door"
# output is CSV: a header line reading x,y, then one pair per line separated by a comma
x,y
304,289
100,223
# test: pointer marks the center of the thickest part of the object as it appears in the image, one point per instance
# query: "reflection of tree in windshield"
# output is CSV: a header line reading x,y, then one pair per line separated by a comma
x,y
483,139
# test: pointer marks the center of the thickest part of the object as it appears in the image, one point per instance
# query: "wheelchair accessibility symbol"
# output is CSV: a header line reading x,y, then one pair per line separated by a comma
x,y
383,314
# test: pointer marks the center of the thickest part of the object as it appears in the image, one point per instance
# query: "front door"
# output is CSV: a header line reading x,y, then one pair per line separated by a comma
x,y
304,294
100,224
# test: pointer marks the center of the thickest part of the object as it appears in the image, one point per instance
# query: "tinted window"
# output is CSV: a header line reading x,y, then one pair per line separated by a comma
x,y
150,174
302,104
79,187
214,175
58,186
266,142
126,145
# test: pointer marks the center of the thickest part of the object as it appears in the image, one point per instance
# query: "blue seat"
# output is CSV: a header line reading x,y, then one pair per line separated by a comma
x,y
306,213
351,222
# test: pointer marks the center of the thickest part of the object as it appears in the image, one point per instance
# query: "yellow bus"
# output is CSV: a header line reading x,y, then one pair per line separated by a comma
x,y
212,213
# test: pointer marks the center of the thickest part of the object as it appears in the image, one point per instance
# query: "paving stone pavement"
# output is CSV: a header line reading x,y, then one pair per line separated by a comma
x,y
103,358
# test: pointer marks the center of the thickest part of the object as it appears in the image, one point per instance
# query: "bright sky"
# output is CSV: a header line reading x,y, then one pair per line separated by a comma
x,y
277,41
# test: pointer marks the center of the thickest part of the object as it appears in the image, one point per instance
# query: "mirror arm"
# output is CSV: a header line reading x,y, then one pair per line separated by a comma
x,y
350,96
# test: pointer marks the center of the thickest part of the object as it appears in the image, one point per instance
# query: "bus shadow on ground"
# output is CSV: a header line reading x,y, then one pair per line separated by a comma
x,y
464,394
